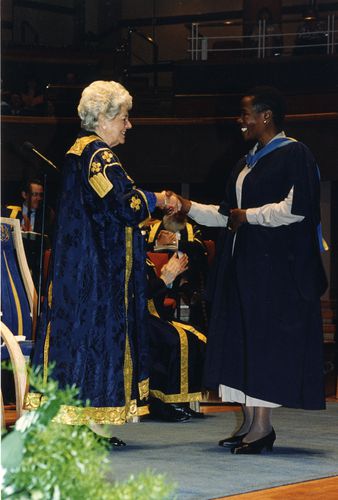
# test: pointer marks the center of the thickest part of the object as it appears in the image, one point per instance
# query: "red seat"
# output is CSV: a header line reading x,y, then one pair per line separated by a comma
x,y
159,259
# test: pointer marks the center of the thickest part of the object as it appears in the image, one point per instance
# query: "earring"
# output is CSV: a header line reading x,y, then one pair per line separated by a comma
x,y
264,121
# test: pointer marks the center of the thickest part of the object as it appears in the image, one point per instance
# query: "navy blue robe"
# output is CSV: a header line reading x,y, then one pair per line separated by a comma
x,y
265,336
94,325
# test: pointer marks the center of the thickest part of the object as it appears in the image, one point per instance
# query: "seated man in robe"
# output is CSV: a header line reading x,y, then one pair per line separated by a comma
x,y
176,351
174,233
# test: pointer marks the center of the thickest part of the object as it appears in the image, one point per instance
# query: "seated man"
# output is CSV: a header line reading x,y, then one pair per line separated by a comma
x,y
176,351
175,233
30,215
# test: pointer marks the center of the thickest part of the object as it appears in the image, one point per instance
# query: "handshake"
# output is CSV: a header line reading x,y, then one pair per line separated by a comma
x,y
172,203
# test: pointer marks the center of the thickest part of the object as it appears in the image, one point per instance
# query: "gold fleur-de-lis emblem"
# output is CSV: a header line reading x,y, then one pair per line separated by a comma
x,y
96,167
107,156
135,203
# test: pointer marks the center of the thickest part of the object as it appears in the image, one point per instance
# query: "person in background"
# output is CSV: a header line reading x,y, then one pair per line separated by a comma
x,y
177,351
93,325
175,233
265,339
30,214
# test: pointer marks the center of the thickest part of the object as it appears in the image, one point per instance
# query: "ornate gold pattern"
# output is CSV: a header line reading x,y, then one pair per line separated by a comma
x,y
97,177
128,363
135,203
176,398
50,294
143,388
46,354
96,167
16,298
81,143
76,415
107,156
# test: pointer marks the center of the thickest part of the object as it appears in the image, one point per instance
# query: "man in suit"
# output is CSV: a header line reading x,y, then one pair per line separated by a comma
x,y
30,214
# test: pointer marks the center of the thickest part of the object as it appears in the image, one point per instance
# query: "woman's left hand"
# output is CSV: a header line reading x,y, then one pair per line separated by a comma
x,y
236,219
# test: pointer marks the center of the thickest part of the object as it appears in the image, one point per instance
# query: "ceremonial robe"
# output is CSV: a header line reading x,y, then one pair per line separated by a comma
x,y
94,326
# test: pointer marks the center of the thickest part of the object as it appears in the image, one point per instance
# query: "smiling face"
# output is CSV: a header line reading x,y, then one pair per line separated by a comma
x,y
113,130
255,125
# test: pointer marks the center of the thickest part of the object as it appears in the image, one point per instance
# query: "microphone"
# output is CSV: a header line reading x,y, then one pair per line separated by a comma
x,y
30,147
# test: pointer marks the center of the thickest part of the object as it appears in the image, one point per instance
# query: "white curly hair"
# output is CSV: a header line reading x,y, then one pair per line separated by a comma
x,y
102,97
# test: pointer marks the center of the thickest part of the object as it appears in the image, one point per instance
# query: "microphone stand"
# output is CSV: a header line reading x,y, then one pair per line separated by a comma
x,y
30,147
43,230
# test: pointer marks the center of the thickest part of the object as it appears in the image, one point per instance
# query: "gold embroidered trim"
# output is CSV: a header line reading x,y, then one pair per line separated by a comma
x,y
128,363
33,400
46,353
143,388
16,298
176,398
184,358
153,231
50,294
135,203
81,143
97,177
143,410
77,415
101,184
191,329
190,231
152,308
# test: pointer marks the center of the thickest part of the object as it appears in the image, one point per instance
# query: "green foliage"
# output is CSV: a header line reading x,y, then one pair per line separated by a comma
x,y
48,461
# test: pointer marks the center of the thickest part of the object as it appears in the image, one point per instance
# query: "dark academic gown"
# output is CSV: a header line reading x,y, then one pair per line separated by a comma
x,y
93,325
265,336
177,350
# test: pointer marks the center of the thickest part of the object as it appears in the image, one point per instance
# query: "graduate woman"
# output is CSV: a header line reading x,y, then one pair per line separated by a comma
x,y
265,338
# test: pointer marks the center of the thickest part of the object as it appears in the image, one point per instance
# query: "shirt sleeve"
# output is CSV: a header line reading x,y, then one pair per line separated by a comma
x,y
274,214
207,215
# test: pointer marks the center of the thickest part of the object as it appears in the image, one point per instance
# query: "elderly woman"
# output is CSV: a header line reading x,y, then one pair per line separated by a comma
x,y
265,337
93,327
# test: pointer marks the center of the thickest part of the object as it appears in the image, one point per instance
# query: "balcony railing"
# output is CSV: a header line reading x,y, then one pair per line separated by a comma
x,y
267,40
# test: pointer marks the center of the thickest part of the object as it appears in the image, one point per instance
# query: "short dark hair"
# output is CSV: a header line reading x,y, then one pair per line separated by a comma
x,y
269,98
27,184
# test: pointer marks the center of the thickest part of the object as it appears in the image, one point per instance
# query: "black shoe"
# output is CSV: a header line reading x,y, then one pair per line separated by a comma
x,y
256,447
231,441
116,442
193,413
167,412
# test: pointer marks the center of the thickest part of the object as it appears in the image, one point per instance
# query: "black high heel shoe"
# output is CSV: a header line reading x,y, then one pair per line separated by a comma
x,y
231,441
116,442
256,447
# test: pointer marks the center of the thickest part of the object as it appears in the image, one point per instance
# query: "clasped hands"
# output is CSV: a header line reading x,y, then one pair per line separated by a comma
x,y
172,203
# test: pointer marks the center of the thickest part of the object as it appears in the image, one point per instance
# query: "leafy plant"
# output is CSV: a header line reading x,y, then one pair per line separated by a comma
x,y
43,460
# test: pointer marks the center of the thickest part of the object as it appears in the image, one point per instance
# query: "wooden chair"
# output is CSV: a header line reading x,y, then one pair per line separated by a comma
x,y
19,370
